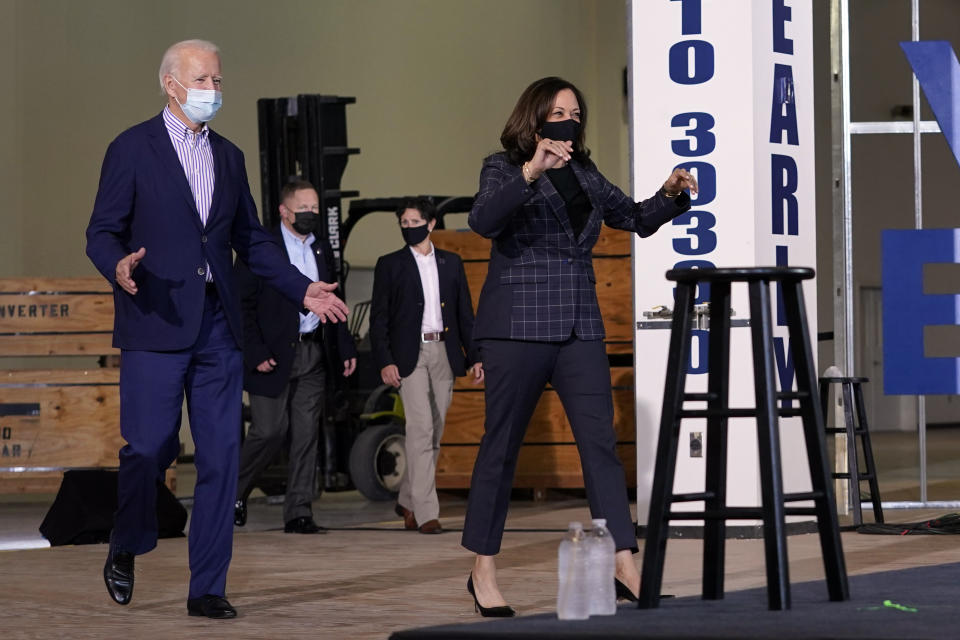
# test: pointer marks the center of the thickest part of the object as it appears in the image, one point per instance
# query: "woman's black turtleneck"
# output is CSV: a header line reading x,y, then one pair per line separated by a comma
x,y
578,205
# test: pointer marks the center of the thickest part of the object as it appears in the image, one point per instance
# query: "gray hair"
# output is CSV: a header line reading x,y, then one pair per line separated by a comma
x,y
171,58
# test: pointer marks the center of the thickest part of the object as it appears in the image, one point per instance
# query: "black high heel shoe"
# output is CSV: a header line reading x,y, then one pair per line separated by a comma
x,y
623,591
489,612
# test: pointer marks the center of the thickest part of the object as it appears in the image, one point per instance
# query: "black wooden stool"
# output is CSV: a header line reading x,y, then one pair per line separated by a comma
x,y
773,509
855,424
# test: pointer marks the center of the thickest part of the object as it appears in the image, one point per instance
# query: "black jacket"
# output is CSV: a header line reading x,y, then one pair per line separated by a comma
x,y
541,284
271,327
396,311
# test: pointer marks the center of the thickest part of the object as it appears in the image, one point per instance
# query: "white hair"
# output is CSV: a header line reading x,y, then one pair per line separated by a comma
x,y
171,58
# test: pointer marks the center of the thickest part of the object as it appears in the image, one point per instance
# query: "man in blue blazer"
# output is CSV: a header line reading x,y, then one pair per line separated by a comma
x,y
421,320
173,202
288,356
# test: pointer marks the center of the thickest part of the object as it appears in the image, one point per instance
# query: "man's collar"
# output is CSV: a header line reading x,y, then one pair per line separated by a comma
x,y
417,254
289,235
179,130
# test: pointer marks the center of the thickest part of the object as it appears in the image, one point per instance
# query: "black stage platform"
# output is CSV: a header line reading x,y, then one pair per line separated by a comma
x,y
911,603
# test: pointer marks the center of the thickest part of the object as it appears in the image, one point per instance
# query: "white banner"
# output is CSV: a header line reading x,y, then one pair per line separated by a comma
x,y
725,89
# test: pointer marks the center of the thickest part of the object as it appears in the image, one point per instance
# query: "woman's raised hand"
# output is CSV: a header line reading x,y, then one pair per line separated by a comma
x,y
549,154
679,180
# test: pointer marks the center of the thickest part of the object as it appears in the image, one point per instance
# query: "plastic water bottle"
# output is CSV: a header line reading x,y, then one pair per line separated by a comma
x,y
601,567
572,597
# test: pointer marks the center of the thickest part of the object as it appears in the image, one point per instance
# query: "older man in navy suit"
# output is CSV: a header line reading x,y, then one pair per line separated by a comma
x,y
173,202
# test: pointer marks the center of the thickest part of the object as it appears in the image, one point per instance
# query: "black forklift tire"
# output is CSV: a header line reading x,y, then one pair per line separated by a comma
x,y
377,461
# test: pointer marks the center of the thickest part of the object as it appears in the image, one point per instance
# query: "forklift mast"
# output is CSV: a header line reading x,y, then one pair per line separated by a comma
x,y
305,136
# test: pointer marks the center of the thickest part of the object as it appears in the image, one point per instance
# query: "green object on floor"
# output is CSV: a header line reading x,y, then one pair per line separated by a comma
x,y
899,607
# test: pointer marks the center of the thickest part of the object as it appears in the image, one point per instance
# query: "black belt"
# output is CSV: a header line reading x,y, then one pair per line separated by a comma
x,y
211,289
312,336
433,336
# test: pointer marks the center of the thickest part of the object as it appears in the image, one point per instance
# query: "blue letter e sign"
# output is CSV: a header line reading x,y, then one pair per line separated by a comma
x,y
907,310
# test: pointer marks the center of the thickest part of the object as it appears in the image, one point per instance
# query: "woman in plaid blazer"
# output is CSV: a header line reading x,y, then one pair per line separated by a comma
x,y
542,202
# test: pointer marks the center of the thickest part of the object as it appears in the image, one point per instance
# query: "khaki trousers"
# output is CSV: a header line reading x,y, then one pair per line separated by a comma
x,y
426,395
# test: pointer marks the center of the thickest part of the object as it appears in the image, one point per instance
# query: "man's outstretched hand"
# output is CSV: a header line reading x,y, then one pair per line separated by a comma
x,y
321,300
124,274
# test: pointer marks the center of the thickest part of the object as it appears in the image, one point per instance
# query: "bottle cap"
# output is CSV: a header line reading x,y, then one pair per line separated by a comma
x,y
575,525
599,522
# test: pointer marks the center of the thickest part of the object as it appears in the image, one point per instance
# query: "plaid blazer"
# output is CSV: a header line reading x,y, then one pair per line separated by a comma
x,y
540,285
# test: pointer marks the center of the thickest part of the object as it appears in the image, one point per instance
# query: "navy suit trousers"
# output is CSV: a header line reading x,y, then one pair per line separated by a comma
x,y
152,387
516,373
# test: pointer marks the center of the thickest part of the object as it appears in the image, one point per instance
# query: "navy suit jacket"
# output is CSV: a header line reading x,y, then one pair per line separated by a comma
x,y
271,327
396,311
144,200
540,284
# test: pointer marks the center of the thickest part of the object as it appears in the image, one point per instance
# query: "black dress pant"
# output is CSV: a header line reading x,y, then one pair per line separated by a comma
x,y
516,373
291,419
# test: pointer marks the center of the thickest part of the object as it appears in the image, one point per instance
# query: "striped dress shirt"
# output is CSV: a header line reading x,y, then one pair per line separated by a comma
x,y
196,158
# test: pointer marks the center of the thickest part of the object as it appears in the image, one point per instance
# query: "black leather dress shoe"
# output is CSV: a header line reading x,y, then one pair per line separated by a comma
x,y
240,513
303,524
118,575
209,606
409,521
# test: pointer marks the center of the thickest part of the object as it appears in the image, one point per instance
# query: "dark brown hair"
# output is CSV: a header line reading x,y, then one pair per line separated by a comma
x,y
290,188
422,204
532,110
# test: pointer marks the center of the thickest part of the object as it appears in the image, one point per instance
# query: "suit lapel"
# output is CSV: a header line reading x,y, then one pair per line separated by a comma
x,y
586,185
443,270
318,256
160,141
410,265
219,170
556,204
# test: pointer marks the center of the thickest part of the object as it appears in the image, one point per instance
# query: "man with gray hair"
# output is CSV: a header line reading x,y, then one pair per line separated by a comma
x,y
172,205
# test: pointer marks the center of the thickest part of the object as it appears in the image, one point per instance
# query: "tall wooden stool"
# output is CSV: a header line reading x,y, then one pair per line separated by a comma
x,y
855,424
773,510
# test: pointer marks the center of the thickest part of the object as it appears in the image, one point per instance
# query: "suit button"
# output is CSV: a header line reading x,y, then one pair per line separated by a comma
x,y
569,260
201,271
203,239
446,328
443,304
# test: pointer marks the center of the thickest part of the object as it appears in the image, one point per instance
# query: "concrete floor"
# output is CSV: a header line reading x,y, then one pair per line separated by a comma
x,y
367,577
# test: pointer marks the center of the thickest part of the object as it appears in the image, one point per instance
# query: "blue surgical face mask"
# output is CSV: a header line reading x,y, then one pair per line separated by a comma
x,y
201,104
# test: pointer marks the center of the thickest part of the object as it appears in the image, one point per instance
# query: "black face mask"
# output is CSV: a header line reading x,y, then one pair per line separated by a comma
x,y
306,222
562,130
415,235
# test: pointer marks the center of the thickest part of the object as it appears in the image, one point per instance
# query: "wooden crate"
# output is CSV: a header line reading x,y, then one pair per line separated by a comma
x,y
549,457
55,317
52,420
